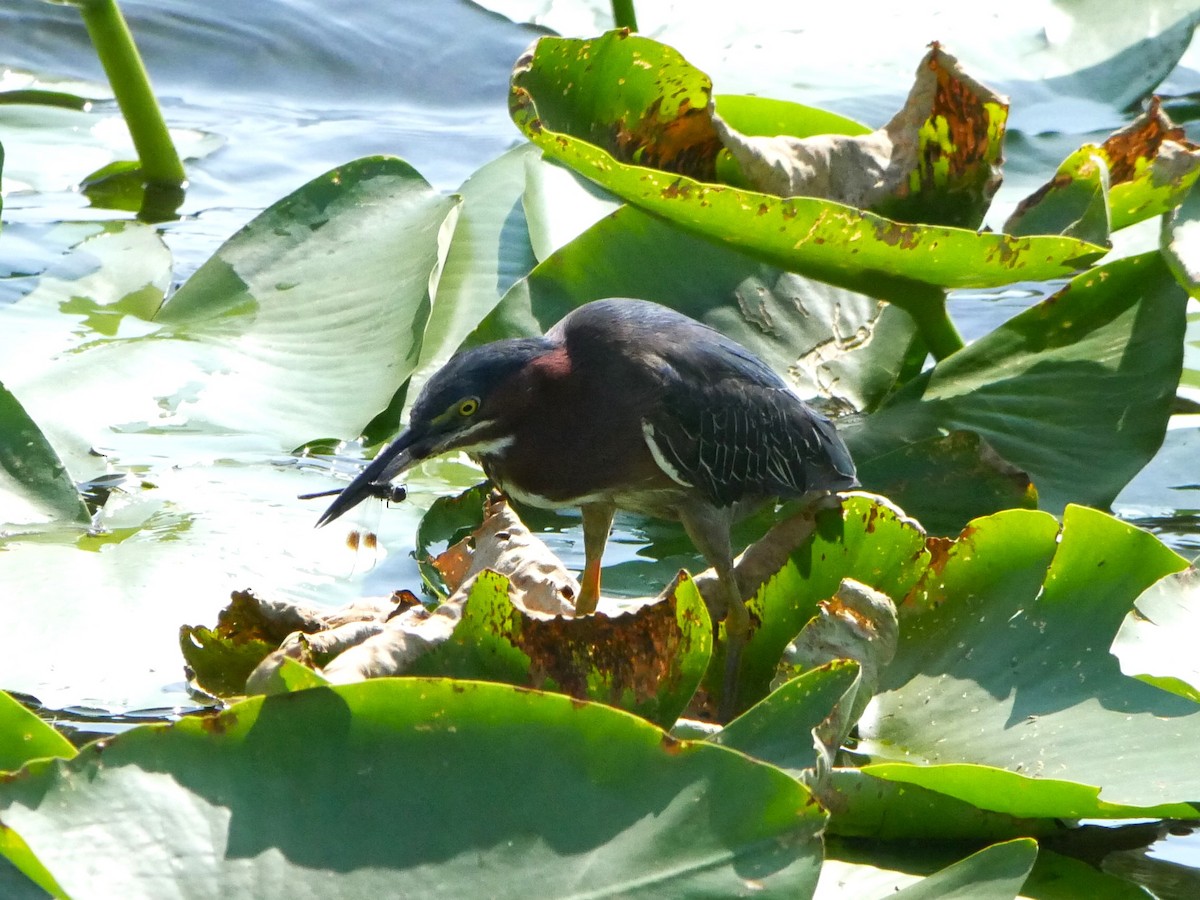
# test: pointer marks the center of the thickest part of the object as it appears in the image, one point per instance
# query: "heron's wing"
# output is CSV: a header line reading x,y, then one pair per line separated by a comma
x,y
737,438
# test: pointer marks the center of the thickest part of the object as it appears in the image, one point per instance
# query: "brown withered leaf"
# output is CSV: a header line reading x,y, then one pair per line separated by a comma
x,y
648,660
250,629
1150,136
936,162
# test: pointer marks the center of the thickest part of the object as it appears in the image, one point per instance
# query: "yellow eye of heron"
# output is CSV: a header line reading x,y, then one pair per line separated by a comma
x,y
468,406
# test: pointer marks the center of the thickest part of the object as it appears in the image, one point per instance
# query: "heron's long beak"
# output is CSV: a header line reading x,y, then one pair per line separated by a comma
x,y
393,459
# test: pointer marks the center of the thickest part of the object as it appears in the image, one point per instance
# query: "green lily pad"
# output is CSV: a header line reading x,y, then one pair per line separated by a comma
x,y
489,250
994,873
1003,662
864,806
268,345
593,800
779,729
33,481
871,871
1074,202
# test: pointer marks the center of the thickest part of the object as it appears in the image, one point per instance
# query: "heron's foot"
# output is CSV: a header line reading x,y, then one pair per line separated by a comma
x,y
737,633
589,590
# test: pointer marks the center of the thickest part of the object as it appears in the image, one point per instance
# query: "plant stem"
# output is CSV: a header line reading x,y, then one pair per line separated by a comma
x,y
624,15
123,65
935,327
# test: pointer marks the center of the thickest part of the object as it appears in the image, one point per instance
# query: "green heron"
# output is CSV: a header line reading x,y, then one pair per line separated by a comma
x,y
624,404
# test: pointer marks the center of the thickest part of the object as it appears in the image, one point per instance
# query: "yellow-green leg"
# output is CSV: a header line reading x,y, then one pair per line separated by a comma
x,y
597,522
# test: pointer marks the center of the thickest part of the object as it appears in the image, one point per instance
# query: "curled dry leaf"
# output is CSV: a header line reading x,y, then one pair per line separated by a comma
x,y
857,623
250,628
936,162
537,578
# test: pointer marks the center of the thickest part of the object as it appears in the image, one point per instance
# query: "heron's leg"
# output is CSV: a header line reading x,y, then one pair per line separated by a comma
x,y
709,530
597,522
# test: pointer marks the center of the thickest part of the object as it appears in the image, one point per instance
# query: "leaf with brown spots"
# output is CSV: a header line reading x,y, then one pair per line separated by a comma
x,y
1151,168
636,98
648,661
936,162
1073,202
251,628
568,96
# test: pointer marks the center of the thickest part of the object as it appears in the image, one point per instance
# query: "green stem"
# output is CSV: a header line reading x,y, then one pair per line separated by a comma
x,y
123,64
935,327
623,14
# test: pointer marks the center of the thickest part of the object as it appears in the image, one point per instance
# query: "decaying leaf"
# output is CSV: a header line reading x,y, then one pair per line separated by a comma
x,y
390,642
248,629
857,623
509,619
936,162
1151,167
538,580
648,660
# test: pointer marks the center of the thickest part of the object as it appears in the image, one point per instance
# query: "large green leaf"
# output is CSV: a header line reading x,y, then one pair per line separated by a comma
x,y
779,729
488,252
277,300
995,873
1075,391
872,871
589,105
1004,662
864,806
303,792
